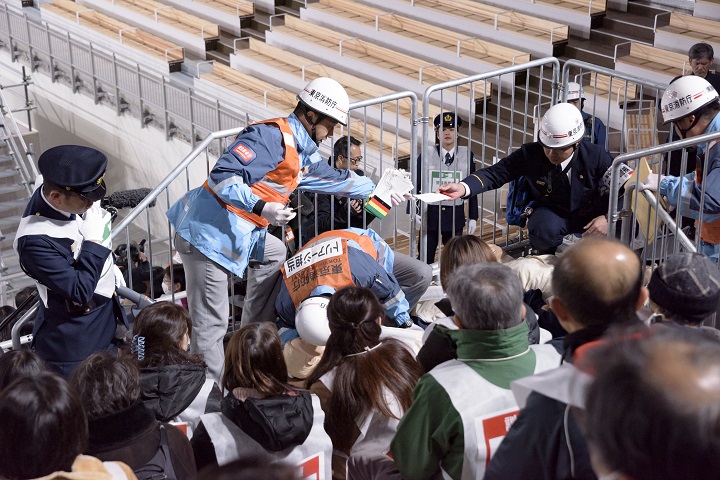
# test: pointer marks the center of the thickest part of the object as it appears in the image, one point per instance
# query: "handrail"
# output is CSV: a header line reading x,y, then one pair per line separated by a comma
x,y
656,20
27,169
152,196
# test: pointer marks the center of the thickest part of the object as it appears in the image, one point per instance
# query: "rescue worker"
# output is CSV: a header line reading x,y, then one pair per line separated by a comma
x,y
336,259
222,225
691,104
63,243
447,162
564,176
595,130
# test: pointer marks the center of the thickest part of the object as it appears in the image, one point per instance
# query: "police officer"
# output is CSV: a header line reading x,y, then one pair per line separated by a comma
x,y
565,178
447,162
595,130
63,242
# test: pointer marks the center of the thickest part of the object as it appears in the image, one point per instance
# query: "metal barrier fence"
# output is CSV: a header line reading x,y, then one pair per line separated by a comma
x,y
113,80
628,105
645,223
502,121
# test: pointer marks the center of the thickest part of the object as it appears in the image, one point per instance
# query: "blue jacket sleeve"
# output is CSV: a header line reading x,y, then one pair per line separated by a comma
x,y
689,193
52,264
495,176
373,277
322,178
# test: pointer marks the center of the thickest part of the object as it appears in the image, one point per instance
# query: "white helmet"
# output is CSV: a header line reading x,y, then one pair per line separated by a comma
x,y
326,96
311,320
685,96
561,126
574,91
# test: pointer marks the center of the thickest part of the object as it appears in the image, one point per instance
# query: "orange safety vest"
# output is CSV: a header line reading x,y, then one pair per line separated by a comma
x,y
710,231
332,272
278,184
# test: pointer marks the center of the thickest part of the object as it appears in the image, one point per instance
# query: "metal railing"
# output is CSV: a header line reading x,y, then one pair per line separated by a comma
x,y
493,137
650,228
13,135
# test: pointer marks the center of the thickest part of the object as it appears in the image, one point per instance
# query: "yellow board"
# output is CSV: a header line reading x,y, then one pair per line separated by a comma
x,y
643,213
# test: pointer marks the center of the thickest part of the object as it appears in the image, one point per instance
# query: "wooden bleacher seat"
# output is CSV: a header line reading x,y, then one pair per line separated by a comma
x,y
651,62
118,31
284,101
641,126
173,17
590,7
707,9
417,70
507,20
239,8
305,70
622,91
482,50
683,31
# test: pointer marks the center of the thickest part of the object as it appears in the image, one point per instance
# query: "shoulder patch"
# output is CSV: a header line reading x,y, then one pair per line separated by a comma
x,y
244,153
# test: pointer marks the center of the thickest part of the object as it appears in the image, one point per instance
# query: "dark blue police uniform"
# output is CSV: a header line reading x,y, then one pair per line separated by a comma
x,y
75,321
564,205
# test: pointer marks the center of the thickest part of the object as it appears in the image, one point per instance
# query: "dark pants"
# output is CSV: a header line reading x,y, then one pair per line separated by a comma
x,y
547,229
433,240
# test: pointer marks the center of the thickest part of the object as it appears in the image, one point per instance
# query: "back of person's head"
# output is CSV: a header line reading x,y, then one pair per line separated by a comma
x,y
43,427
686,288
599,281
159,331
256,467
701,50
463,250
19,363
6,333
486,296
652,411
254,359
366,369
106,384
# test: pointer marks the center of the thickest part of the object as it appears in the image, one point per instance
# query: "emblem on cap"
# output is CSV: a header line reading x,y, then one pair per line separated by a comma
x,y
448,117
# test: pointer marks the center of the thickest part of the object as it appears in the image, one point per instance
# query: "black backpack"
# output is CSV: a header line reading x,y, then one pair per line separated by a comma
x,y
160,466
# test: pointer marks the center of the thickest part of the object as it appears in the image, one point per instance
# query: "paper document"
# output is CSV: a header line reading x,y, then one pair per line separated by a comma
x,y
432,197
393,180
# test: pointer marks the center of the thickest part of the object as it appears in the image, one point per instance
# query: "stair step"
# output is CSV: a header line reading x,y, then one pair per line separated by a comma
x,y
631,30
13,204
8,173
288,10
607,37
5,189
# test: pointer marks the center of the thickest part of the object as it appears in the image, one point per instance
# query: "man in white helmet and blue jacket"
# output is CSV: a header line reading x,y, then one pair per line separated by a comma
x,y
564,176
222,225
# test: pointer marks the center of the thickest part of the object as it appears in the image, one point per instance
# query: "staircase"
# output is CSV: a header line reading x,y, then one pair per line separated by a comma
x,y
17,174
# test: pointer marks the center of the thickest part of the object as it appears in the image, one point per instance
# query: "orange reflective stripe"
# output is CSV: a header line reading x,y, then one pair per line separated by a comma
x,y
256,220
365,242
285,174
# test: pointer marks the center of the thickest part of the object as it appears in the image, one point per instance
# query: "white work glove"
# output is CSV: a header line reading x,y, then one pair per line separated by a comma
x,y
398,198
472,225
652,182
96,224
277,213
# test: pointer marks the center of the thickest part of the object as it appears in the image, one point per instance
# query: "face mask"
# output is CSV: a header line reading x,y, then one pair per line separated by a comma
x,y
166,289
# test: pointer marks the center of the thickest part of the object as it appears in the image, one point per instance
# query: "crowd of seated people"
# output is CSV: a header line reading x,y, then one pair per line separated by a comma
x,y
372,408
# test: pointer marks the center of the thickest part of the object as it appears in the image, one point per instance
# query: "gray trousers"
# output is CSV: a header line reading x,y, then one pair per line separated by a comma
x,y
413,276
207,295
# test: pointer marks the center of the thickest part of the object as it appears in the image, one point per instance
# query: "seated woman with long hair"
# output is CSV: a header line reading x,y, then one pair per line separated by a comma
x,y
261,412
173,381
365,385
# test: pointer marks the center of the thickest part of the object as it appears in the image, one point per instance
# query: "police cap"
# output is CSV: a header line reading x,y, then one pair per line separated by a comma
x,y
448,120
76,169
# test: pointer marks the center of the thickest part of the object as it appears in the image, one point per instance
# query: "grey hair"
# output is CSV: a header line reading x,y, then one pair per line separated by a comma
x,y
486,296
701,50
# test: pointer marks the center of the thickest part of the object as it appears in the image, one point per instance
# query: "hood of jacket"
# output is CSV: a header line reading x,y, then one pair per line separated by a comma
x,y
277,422
170,389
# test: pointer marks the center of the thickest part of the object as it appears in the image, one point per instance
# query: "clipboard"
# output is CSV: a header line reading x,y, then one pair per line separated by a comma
x,y
643,213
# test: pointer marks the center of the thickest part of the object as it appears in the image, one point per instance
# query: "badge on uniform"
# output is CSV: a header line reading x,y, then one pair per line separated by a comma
x,y
244,153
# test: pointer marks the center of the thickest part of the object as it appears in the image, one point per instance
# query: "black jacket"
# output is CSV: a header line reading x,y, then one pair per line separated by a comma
x,y
276,423
551,444
168,390
582,200
132,436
